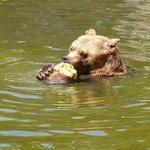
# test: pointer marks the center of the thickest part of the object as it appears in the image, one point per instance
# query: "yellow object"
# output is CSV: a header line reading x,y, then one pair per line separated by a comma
x,y
66,69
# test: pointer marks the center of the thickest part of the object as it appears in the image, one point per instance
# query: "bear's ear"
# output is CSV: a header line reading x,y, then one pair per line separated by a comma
x,y
112,42
90,32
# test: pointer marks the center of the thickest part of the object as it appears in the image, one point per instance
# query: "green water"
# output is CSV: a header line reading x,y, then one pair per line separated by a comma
x,y
110,114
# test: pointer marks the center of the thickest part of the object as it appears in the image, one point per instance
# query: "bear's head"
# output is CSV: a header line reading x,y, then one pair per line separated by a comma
x,y
92,53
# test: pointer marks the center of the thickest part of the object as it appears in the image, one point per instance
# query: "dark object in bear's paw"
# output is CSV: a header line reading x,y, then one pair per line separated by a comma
x,y
60,74
45,72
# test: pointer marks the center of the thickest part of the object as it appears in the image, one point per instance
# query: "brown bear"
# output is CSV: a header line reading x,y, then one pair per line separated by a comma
x,y
90,54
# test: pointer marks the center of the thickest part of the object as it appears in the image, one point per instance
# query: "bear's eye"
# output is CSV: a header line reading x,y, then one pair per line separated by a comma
x,y
83,55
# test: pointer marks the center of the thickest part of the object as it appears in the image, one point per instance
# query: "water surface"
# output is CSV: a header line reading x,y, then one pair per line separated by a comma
x,y
112,113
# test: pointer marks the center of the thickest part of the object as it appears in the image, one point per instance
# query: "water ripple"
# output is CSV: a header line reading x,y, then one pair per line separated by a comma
x,y
147,108
20,95
24,133
8,110
10,101
14,119
62,131
2,145
134,105
6,119
25,88
94,133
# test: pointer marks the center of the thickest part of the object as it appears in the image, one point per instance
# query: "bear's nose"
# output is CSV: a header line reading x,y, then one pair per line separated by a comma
x,y
65,59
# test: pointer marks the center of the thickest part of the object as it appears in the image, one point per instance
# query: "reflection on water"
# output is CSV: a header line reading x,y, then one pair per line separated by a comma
x,y
112,113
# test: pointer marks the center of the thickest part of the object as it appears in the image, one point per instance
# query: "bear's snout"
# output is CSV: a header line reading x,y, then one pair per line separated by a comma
x,y
65,59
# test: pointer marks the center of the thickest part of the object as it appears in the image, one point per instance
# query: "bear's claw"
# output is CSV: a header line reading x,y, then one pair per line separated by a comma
x,y
44,72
